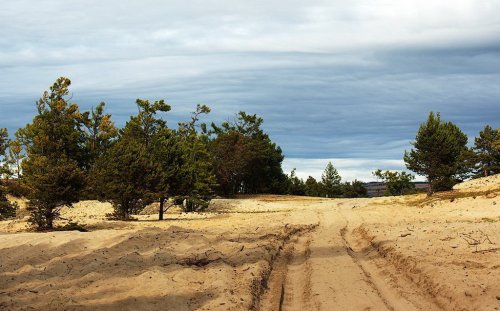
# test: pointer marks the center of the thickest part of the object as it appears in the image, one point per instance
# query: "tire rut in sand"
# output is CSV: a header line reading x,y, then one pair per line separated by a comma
x,y
394,294
400,270
368,276
289,283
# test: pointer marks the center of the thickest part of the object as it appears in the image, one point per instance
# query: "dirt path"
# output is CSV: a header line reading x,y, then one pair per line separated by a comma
x,y
327,269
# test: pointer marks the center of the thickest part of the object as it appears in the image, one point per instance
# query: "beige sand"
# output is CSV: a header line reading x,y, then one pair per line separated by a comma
x,y
266,253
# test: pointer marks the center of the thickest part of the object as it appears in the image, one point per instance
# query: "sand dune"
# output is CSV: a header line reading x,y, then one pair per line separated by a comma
x,y
266,253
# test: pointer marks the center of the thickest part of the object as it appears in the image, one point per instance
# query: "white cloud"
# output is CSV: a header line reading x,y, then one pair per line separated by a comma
x,y
146,28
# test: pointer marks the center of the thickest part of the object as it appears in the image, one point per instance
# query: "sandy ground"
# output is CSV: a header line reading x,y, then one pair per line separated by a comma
x,y
266,253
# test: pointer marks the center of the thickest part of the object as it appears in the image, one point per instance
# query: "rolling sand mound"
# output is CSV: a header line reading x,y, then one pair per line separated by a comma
x,y
266,253
483,183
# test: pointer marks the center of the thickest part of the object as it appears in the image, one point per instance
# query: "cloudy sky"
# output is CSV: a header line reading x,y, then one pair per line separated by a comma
x,y
347,81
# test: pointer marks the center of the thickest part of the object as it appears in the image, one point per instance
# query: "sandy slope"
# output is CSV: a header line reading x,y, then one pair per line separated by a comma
x,y
267,253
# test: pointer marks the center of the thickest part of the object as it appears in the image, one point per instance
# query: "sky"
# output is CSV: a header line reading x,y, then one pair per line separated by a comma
x,y
341,81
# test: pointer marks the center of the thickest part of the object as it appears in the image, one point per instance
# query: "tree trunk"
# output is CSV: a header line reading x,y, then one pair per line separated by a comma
x,y
430,190
160,213
49,219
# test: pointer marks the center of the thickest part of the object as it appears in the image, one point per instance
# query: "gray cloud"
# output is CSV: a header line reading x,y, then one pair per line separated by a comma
x,y
332,80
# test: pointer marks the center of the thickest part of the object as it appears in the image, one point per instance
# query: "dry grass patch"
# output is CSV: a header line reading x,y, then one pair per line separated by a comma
x,y
451,196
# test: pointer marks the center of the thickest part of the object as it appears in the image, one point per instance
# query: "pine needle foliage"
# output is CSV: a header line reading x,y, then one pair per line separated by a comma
x,y
54,143
440,153
487,151
7,209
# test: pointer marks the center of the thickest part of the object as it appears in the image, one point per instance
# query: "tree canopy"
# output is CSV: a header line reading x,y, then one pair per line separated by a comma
x,y
7,209
253,160
125,174
331,181
440,153
487,151
396,183
56,154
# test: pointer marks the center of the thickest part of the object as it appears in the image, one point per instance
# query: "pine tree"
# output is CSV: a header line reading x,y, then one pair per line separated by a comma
x,y
121,176
354,189
127,174
487,151
231,155
312,187
296,186
440,153
168,161
198,180
56,155
7,209
330,180
396,183
100,132
254,160
15,157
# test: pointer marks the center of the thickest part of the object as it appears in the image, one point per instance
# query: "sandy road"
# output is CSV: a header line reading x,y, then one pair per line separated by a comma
x,y
265,253
326,269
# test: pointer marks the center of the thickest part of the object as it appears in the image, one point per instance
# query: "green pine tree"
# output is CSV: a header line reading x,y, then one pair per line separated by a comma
x,y
245,158
312,187
487,151
396,183
296,186
100,132
7,209
440,153
330,180
168,160
231,156
121,177
54,143
197,178
354,189
127,174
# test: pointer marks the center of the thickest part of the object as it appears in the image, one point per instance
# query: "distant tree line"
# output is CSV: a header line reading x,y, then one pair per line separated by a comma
x,y
330,185
440,153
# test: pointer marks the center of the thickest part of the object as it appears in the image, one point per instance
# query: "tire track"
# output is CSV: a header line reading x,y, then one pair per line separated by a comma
x,y
393,293
368,276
